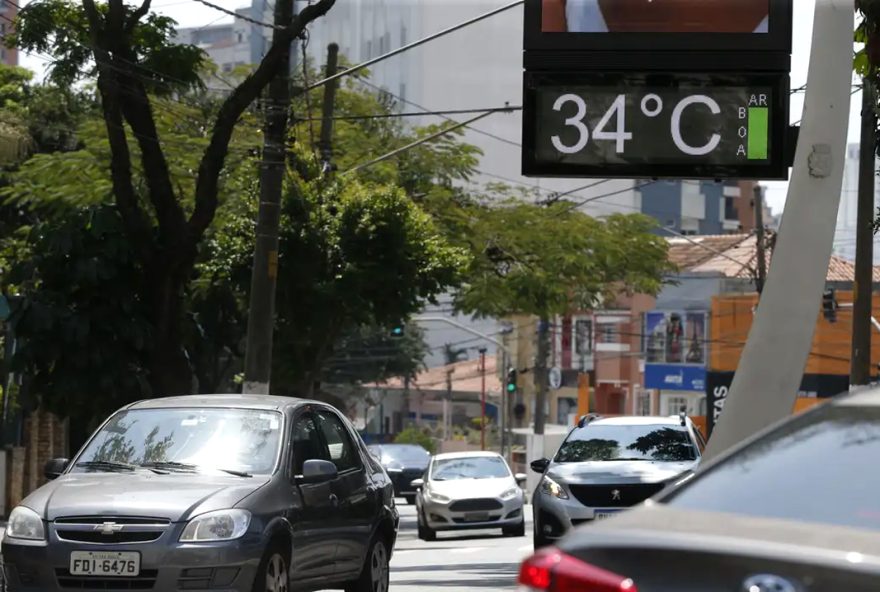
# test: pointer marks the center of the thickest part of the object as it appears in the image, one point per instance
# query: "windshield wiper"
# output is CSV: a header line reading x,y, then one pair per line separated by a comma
x,y
236,473
169,464
108,465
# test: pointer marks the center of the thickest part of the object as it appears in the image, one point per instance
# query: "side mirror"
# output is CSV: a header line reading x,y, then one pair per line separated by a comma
x,y
317,471
521,478
417,483
540,465
54,468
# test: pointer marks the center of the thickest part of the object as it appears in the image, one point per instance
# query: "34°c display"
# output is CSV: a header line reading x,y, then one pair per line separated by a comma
x,y
656,125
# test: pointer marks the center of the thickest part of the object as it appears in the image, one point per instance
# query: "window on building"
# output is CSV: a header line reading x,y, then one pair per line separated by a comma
x,y
643,403
608,333
731,212
675,405
583,337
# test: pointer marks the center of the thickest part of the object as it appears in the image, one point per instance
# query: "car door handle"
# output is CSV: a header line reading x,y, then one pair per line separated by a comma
x,y
334,501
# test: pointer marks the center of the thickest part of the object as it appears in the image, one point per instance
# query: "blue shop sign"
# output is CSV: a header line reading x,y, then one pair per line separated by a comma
x,y
675,378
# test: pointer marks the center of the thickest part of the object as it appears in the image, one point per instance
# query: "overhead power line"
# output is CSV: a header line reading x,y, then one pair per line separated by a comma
x,y
413,114
242,17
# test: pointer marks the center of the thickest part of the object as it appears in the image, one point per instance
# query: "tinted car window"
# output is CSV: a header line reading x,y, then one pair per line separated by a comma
x,y
239,439
627,442
306,443
820,467
405,454
342,451
479,467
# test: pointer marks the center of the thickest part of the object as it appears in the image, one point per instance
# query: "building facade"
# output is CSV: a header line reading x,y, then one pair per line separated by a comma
x,y
8,12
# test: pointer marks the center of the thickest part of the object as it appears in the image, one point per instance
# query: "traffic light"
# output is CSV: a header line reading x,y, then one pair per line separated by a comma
x,y
397,331
829,305
510,386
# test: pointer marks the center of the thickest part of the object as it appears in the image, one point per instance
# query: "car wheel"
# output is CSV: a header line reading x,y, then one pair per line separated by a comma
x,y
538,539
426,533
410,499
376,574
273,573
515,531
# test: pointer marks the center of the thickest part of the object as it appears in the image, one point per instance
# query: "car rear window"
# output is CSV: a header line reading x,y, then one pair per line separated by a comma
x,y
627,442
820,467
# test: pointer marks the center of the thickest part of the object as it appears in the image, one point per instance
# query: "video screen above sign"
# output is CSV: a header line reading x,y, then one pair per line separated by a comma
x,y
744,25
655,125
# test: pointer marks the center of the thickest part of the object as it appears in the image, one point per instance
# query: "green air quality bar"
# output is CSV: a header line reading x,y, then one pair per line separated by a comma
x,y
759,132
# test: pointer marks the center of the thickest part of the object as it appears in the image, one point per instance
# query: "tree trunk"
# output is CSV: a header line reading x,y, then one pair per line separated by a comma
x,y
541,374
170,371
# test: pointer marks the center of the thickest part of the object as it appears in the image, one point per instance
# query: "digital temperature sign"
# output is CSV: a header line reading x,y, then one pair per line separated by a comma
x,y
676,125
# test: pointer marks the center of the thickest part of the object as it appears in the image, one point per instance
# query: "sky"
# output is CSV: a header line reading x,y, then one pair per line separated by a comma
x,y
189,13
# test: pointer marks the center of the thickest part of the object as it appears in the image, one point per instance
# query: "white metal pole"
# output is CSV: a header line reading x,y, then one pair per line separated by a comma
x,y
770,371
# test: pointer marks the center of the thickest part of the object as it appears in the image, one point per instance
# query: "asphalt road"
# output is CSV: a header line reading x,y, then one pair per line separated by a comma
x,y
457,562
483,561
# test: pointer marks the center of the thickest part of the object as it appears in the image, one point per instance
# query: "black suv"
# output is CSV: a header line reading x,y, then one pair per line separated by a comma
x,y
240,492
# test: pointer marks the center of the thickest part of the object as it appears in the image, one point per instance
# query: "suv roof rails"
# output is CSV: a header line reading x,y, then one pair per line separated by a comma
x,y
584,420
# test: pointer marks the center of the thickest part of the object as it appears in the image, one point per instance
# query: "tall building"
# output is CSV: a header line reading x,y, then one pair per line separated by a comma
x,y
8,12
845,235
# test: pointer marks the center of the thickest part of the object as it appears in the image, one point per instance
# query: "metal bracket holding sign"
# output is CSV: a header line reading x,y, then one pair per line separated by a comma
x,y
672,88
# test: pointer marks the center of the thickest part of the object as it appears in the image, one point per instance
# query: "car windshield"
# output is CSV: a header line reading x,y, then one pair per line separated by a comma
x,y
474,467
627,442
816,468
232,440
405,454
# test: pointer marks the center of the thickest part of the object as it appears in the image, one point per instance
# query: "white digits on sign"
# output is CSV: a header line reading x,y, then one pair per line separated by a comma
x,y
621,135
676,125
576,122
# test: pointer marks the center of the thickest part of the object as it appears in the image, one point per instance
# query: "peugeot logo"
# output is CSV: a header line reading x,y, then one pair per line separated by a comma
x,y
768,583
108,528
615,495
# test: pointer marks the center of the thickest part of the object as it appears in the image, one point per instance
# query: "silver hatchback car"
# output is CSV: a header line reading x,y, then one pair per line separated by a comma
x,y
234,492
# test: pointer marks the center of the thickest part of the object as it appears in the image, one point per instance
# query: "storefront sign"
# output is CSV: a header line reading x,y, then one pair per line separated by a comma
x,y
675,378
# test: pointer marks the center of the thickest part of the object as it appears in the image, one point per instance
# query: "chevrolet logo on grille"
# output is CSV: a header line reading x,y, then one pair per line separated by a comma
x,y
109,528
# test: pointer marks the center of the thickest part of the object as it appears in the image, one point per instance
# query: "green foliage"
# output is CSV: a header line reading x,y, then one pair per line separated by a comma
x,y
552,260
368,354
414,435
60,28
82,326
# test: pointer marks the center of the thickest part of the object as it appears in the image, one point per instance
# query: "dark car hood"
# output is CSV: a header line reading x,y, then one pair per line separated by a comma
x,y
619,472
175,496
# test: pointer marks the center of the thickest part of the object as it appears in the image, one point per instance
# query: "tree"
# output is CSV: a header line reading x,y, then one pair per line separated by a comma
x,y
553,260
136,61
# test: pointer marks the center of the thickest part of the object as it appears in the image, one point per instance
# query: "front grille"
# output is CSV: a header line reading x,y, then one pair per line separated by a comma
x,y
403,480
475,505
466,521
145,581
88,529
614,496
97,537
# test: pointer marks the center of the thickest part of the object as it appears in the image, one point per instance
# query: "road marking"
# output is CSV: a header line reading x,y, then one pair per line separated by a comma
x,y
404,552
468,550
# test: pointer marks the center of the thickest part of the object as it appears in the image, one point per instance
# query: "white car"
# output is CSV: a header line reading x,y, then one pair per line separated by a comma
x,y
469,491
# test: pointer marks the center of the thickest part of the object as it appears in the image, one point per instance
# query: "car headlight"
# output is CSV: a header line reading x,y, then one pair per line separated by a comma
x,y
223,525
510,493
436,497
25,524
551,487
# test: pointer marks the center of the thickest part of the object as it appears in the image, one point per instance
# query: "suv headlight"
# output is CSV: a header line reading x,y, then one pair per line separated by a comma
x,y
510,493
551,487
222,525
25,524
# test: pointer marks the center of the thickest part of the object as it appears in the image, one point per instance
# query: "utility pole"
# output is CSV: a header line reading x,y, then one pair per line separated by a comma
x,y
483,398
759,229
325,144
860,370
261,313
541,382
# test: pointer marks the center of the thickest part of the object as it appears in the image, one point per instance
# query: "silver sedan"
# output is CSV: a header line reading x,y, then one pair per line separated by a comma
x,y
469,491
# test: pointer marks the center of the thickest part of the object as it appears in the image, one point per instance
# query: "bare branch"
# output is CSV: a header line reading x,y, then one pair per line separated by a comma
x,y
235,105
137,15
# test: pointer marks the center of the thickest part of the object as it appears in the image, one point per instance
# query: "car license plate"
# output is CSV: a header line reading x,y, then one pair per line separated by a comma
x,y
603,514
476,517
105,563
